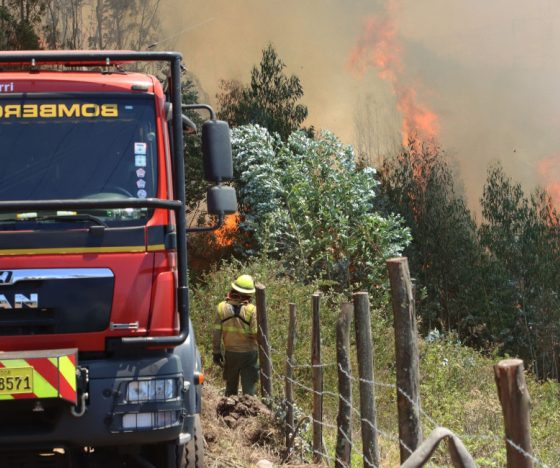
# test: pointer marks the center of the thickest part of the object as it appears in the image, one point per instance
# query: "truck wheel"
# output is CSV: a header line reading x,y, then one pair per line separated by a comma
x,y
195,447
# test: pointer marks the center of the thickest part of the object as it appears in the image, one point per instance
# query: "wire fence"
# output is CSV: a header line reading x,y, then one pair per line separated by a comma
x,y
415,451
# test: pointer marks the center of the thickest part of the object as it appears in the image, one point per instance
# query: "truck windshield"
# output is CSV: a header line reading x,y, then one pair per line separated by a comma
x,y
78,146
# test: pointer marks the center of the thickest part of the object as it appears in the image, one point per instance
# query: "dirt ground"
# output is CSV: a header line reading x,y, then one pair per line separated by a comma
x,y
240,431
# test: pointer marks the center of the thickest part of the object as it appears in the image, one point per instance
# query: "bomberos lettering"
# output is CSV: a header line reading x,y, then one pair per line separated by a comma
x,y
60,111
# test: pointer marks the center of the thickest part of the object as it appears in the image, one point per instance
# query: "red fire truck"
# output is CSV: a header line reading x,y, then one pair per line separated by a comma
x,y
97,352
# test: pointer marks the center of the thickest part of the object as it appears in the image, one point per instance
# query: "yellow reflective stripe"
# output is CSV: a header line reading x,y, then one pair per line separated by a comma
x,y
41,387
68,370
222,307
15,363
73,250
6,397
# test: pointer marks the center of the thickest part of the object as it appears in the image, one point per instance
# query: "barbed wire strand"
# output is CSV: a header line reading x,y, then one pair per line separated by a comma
x,y
525,453
349,404
382,433
338,396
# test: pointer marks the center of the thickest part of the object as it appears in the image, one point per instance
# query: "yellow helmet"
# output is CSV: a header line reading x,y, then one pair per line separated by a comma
x,y
244,284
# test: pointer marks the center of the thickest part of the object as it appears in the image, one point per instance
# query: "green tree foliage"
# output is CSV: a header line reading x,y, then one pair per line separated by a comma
x,y
77,24
18,22
495,284
521,235
306,202
445,257
270,100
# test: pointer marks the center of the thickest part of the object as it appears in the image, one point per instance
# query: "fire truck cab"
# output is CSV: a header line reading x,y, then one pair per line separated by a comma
x,y
96,347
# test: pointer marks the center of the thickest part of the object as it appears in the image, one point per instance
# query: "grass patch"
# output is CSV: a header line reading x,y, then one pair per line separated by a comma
x,y
457,387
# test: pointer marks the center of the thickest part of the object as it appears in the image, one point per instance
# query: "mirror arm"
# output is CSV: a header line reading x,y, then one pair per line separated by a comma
x,y
216,226
201,106
188,125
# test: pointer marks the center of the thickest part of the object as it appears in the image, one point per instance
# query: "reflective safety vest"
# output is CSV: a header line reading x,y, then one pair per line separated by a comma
x,y
236,325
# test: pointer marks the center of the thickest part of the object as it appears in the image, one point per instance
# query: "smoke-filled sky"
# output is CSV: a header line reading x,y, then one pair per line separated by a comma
x,y
481,77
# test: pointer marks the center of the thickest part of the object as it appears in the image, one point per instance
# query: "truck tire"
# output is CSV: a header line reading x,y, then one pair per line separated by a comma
x,y
195,447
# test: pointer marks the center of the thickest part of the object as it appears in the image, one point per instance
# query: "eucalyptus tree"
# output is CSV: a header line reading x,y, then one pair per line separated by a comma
x,y
445,255
521,234
271,99
307,202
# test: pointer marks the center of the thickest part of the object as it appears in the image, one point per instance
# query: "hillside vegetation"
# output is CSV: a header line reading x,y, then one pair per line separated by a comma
x,y
457,384
313,216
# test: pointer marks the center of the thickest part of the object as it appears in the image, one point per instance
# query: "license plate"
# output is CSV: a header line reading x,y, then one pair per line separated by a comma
x,y
16,380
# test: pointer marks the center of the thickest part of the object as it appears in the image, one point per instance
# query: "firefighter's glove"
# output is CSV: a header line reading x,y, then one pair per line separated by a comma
x,y
218,359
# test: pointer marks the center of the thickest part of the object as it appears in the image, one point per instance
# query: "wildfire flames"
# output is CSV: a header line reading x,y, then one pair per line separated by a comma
x,y
225,236
549,170
378,47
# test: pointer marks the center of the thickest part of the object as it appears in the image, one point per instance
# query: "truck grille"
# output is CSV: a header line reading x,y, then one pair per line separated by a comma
x,y
55,301
42,322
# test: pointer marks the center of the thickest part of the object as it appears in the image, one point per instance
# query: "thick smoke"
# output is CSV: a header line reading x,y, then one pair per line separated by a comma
x,y
488,71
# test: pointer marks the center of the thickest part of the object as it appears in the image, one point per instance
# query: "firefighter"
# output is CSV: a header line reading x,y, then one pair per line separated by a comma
x,y
235,324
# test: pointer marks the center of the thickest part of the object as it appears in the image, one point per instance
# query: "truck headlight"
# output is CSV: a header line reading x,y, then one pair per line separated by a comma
x,y
159,420
151,390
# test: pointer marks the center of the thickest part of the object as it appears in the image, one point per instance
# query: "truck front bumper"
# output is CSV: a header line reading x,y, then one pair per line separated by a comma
x,y
130,400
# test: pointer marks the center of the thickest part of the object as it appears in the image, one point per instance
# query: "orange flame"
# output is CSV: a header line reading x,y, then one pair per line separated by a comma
x,y
549,170
225,236
419,122
378,47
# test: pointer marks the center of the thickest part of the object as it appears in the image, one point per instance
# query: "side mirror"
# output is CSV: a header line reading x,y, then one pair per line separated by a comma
x,y
221,200
216,151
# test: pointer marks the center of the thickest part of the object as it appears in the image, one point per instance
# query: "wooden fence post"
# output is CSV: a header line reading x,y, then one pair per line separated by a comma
x,y
364,347
264,344
289,393
514,399
317,376
344,417
406,352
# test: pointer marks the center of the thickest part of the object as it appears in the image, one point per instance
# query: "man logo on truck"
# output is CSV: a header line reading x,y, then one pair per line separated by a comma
x,y
5,277
31,302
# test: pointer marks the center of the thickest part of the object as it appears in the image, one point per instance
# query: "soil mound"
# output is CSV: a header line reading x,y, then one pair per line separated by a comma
x,y
240,432
234,410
